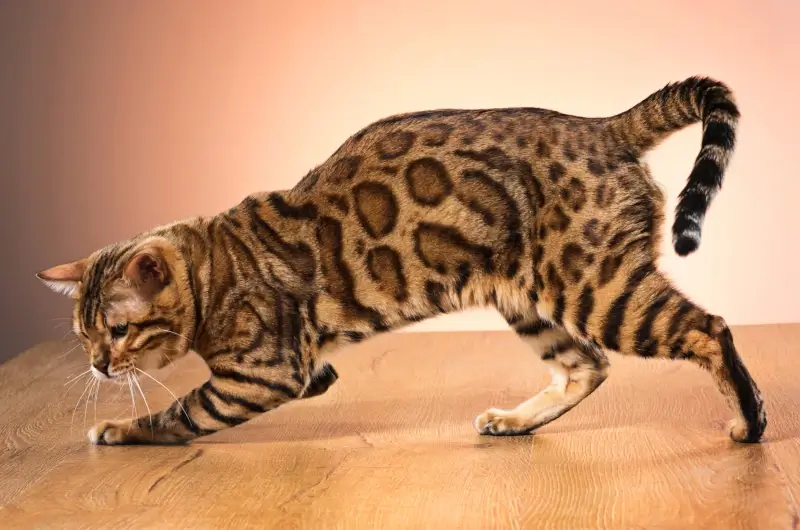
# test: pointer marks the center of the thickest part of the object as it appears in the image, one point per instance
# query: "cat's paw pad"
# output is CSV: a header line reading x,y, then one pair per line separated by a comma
x,y
497,422
109,433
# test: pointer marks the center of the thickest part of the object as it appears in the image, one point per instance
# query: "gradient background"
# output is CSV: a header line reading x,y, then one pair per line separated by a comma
x,y
116,116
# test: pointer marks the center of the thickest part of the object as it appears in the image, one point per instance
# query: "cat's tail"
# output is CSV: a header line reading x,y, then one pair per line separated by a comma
x,y
674,107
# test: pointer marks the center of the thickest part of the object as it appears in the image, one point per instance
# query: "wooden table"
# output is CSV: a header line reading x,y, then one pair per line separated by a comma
x,y
391,445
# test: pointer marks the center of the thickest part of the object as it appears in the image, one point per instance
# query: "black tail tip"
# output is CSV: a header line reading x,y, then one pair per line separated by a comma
x,y
685,244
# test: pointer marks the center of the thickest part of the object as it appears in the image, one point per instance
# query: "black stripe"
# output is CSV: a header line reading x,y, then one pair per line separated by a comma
x,y
645,344
312,313
195,299
378,325
616,315
513,319
143,423
706,171
190,425
306,211
212,411
557,348
148,340
325,337
463,274
720,134
91,298
296,257
255,344
585,307
533,329
744,387
533,296
249,305
211,303
254,380
558,312
279,324
434,292
248,253
321,380
354,336
677,319
153,322
676,349
119,253
722,104
231,399
295,326
295,362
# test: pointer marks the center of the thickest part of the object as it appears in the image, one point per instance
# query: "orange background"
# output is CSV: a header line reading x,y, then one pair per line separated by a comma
x,y
118,116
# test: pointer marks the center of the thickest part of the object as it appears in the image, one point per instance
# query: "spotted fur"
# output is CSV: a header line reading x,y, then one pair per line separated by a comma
x,y
554,220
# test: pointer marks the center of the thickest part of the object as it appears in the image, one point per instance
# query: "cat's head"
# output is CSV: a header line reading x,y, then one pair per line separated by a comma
x,y
133,305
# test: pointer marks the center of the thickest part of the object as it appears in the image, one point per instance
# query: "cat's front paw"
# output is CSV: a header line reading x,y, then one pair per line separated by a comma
x,y
499,422
111,433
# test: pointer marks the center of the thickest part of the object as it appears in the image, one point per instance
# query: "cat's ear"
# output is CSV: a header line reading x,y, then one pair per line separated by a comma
x,y
66,278
147,270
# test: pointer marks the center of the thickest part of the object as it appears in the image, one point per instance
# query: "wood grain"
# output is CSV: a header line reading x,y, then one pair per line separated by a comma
x,y
391,445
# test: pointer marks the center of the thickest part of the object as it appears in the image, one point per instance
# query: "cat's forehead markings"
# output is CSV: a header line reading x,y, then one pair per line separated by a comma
x,y
94,281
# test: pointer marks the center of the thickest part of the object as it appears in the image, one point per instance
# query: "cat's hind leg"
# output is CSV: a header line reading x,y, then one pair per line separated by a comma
x,y
577,369
646,316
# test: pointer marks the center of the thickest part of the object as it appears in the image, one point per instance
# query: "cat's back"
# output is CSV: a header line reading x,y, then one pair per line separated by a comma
x,y
421,146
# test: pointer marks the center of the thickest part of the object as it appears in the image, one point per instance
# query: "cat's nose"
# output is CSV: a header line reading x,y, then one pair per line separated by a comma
x,y
101,365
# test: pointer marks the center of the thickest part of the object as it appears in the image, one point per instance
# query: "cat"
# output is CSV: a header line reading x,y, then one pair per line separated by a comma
x,y
551,219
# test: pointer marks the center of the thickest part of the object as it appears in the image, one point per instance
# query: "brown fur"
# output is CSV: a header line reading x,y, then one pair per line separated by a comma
x,y
551,219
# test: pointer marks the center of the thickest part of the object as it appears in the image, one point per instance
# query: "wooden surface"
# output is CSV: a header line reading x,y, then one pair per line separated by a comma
x,y
391,445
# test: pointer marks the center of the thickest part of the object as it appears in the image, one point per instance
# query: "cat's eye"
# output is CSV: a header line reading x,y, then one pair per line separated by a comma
x,y
119,331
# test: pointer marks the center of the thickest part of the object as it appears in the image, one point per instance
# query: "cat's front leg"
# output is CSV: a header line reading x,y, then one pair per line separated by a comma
x,y
233,395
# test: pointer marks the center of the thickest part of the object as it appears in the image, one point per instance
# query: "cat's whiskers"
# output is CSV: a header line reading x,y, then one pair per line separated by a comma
x,y
96,399
77,377
133,396
164,350
92,394
176,334
78,403
178,401
73,384
149,413
70,350
119,393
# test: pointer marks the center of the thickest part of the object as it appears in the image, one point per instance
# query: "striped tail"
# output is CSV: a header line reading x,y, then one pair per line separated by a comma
x,y
674,107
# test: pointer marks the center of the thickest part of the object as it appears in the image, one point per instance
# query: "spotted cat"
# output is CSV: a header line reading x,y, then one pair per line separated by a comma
x,y
551,219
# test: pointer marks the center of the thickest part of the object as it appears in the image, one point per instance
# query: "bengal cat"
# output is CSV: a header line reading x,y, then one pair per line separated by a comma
x,y
552,219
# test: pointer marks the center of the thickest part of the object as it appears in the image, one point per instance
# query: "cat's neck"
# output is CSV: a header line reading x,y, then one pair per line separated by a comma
x,y
265,230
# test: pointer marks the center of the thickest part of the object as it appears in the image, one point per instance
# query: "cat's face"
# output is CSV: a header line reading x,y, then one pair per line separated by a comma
x,y
133,307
